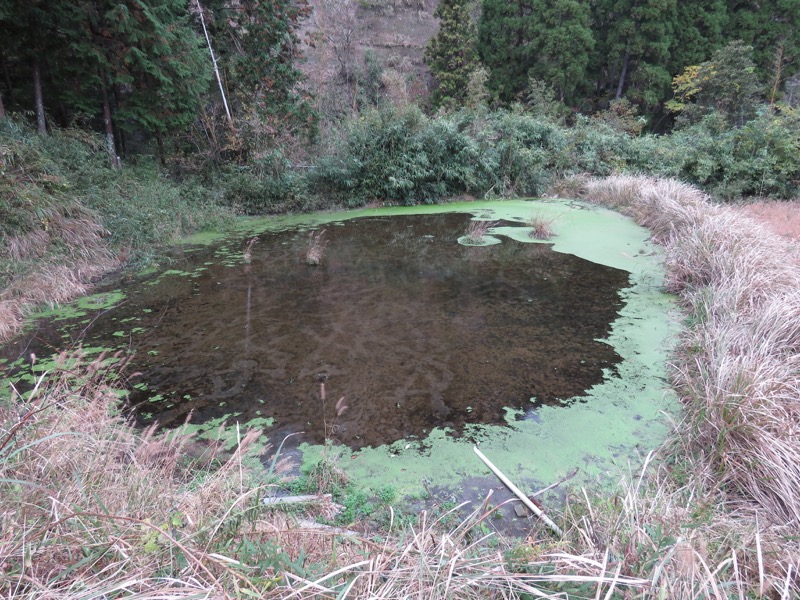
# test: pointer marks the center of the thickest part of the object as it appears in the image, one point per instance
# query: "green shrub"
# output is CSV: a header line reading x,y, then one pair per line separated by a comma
x,y
401,156
397,155
597,148
68,173
524,150
248,194
757,159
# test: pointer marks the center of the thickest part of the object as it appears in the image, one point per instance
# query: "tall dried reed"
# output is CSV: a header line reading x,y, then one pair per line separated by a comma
x,y
56,276
92,508
477,231
737,366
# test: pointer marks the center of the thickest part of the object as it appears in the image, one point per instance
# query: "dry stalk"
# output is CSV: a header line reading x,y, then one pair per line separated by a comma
x,y
316,247
477,231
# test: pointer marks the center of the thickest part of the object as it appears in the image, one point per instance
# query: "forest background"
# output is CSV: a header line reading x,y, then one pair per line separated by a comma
x,y
220,107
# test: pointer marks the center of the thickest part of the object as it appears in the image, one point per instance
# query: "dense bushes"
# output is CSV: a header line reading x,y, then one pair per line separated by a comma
x,y
396,156
402,156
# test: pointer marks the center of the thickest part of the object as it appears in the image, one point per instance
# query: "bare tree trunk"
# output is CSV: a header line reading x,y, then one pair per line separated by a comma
x,y
2,108
216,68
122,141
162,157
41,123
109,130
7,78
623,75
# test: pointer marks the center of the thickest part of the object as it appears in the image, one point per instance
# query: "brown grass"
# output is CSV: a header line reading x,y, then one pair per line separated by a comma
x,y
737,368
541,227
781,217
50,284
737,365
92,507
56,276
317,242
477,231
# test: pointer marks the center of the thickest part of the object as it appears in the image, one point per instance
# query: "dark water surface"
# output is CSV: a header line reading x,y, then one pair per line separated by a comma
x,y
412,329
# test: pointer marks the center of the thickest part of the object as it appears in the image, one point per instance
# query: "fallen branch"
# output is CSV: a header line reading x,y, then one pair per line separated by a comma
x,y
556,484
525,500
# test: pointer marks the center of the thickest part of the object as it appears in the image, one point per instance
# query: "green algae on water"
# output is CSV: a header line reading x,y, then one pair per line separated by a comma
x,y
616,421
82,306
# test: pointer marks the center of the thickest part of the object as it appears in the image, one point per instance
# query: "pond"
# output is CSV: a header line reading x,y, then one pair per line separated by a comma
x,y
404,342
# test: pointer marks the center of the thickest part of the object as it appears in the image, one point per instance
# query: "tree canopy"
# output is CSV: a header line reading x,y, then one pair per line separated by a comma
x,y
591,53
144,65
451,55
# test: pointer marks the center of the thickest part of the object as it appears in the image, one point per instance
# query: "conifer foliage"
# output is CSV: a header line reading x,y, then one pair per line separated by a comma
x,y
142,67
451,55
592,53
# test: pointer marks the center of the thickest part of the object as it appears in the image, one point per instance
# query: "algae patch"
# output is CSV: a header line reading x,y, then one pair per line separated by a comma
x,y
619,420
82,306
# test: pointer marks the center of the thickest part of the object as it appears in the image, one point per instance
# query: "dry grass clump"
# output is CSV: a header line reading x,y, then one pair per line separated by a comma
x,y
435,561
477,231
677,538
737,367
317,242
51,283
92,508
58,275
541,227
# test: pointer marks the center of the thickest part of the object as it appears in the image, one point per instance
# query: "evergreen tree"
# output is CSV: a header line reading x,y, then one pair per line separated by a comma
x,y
561,44
29,41
136,62
699,32
139,60
548,40
504,34
635,38
771,27
258,45
451,55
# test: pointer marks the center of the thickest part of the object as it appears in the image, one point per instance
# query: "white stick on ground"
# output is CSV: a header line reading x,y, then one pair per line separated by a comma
x,y
535,509
311,499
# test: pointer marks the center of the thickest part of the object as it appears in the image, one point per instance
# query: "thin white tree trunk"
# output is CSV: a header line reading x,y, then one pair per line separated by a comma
x,y
214,63
623,75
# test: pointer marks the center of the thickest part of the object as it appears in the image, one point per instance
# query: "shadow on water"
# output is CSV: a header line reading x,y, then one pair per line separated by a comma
x,y
414,330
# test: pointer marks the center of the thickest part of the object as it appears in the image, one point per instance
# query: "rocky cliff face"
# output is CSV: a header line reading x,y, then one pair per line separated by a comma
x,y
339,33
